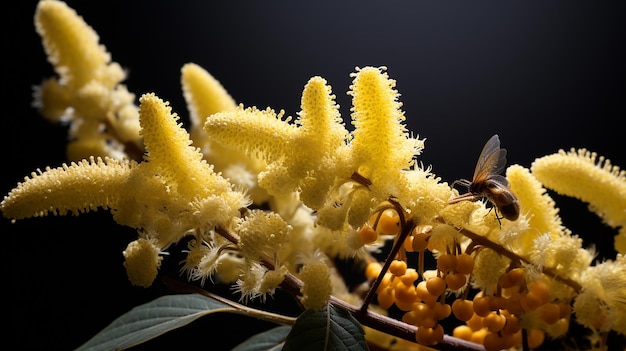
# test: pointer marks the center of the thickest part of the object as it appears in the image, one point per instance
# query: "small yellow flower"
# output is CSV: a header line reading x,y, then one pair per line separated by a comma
x,y
229,268
488,267
316,288
601,304
261,233
142,262
271,280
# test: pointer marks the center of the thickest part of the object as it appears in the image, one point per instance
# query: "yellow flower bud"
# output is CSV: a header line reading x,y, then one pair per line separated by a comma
x,y
142,262
316,286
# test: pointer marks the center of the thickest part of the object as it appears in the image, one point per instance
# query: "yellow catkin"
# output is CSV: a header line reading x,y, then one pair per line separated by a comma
x,y
381,146
204,94
536,204
75,188
168,145
256,132
71,45
321,127
87,92
585,176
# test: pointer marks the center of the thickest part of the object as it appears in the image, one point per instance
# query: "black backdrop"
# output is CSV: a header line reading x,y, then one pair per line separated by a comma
x,y
543,75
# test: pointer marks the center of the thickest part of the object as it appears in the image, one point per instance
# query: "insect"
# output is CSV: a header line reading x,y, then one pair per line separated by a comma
x,y
489,183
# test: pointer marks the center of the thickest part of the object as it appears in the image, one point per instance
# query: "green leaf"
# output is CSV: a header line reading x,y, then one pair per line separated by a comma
x,y
270,340
331,328
152,319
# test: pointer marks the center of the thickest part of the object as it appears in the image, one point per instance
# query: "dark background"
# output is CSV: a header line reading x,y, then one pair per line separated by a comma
x,y
543,75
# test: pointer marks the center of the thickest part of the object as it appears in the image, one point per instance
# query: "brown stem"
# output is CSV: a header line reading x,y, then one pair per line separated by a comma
x,y
385,324
361,180
406,228
479,240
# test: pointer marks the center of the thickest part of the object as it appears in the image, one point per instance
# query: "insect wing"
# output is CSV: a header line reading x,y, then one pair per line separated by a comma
x,y
497,183
502,197
492,159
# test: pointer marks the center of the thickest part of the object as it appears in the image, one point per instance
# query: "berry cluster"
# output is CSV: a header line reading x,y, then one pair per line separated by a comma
x,y
493,317
494,320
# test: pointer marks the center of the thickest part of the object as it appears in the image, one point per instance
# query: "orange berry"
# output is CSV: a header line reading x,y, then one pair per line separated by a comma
x,y
482,305
505,281
385,298
404,296
372,270
408,243
389,222
497,303
476,322
385,282
463,309
549,312
479,336
530,301
429,336
442,311
512,325
463,332
541,290
423,294
424,311
456,281
508,340
493,342
535,338
420,241
427,322
410,276
565,310
494,322
367,234
514,305
517,276
397,267
514,277
446,263
410,317
436,286
465,263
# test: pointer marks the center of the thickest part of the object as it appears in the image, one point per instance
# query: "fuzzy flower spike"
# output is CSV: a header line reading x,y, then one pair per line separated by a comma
x,y
586,176
205,96
381,146
88,94
303,156
172,193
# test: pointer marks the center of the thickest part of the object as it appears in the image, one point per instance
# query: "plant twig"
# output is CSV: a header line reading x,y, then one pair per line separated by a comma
x,y
485,242
385,324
